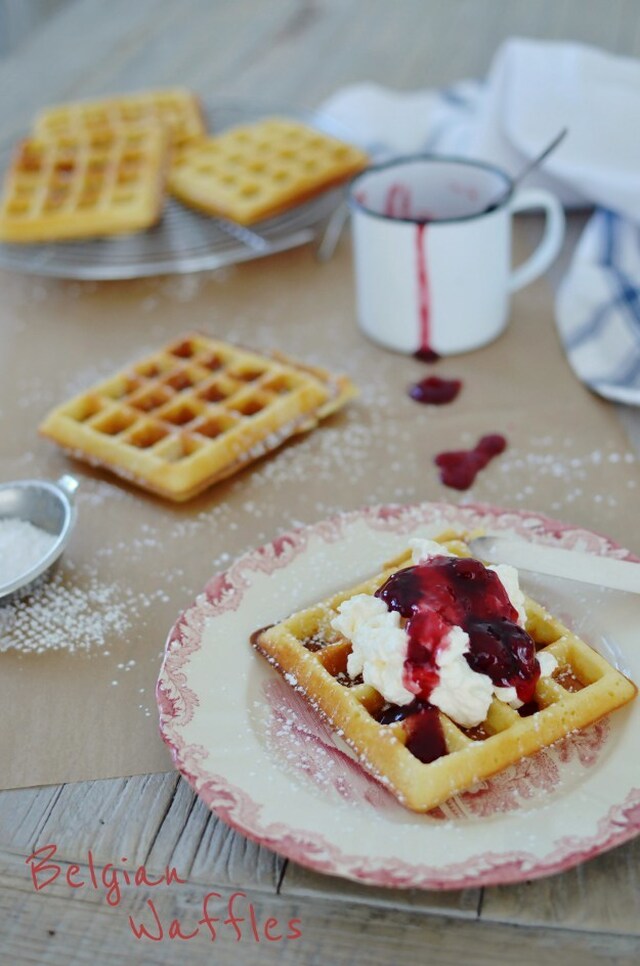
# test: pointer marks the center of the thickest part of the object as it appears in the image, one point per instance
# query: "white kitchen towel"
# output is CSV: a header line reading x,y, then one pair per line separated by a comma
x,y
532,91
598,307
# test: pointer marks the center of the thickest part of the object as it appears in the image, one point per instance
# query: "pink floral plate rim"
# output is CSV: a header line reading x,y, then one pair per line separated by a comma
x,y
177,703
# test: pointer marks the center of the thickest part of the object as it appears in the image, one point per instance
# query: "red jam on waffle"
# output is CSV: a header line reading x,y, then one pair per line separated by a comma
x,y
435,596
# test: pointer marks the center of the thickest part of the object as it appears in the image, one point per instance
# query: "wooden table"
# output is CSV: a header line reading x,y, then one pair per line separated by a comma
x,y
295,52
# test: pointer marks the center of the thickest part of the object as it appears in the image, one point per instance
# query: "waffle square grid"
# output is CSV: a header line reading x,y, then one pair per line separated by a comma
x,y
193,413
95,184
254,171
177,109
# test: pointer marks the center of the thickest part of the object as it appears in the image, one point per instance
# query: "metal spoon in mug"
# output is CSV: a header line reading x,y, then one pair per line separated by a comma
x,y
528,169
338,219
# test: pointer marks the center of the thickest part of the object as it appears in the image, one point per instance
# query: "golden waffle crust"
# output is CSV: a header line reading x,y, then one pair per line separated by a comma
x,y
193,413
313,658
257,170
82,186
177,109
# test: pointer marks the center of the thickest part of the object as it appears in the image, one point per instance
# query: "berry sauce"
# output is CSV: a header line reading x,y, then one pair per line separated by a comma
x,y
426,355
424,289
449,591
425,737
458,469
435,390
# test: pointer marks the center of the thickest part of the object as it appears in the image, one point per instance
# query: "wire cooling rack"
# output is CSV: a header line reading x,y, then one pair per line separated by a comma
x,y
184,240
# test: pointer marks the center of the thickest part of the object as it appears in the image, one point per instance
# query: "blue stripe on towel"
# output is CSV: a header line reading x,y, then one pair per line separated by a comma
x,y
593,325
628,376
453,96
629,298
627,295
609,239
590,329
627,301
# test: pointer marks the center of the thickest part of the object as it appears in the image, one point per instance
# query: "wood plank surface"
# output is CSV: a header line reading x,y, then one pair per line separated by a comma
x,y
290,52
287,51
600,895
152,820
50,929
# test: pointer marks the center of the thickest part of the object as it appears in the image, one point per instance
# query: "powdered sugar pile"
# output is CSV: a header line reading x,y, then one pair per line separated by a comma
x,y
22,547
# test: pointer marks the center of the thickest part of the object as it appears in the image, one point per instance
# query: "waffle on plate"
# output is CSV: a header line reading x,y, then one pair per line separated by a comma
x,y
257,170
193,413
100,183
313,656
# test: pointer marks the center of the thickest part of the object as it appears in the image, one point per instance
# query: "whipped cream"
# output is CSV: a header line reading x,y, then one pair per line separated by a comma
x,y
508,577
423,550
463,694
547,663
379,651
380,646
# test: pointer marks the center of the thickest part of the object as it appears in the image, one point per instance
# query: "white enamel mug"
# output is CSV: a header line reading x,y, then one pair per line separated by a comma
x,y
432,264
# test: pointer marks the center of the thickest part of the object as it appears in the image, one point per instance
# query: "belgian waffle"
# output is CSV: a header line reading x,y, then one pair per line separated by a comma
x,y
257,170
193,413
313,659
177,109
102,183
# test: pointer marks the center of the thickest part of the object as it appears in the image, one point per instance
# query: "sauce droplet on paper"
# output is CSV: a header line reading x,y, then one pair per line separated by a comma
x,y
435,391
459,468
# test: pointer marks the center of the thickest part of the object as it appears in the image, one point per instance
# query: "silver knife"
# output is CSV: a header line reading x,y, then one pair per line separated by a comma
x,y
571,564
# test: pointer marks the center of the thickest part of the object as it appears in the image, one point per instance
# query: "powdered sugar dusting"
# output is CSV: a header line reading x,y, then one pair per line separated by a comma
x,y
304,745
57,615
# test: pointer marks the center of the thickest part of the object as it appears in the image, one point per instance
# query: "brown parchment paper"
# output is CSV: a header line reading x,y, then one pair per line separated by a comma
x,y
86,710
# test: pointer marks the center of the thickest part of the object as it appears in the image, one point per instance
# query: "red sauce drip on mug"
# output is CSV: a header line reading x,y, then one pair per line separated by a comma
x,y
426,355
424,291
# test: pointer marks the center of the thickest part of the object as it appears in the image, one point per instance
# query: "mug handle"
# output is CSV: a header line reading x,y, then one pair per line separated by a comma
x,y
542,257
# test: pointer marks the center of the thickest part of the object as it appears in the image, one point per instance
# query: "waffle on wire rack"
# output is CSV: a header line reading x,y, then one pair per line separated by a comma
x,y
177,109
312,656
101,168
254,171
193,413
101,183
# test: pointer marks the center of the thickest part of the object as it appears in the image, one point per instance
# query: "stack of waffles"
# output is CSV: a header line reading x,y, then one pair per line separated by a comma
x,y
98,168
194,412
313,656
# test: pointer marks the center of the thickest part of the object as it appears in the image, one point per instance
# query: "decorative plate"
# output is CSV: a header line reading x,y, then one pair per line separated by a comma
x,y
184,240
269,767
